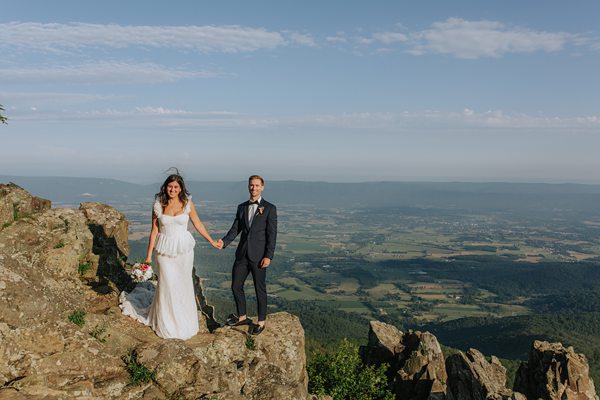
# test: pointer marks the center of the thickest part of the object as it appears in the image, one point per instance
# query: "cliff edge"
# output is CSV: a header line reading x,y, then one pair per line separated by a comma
x,y
62,334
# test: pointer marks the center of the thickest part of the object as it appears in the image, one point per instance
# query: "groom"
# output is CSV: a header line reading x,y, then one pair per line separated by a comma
x,y
256,219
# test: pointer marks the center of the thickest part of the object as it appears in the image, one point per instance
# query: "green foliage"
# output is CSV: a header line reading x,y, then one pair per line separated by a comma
x,y
584,300
509,279
138,372
78,317
3,119
250,343
60,244
99,333
512,367
84,267
343,376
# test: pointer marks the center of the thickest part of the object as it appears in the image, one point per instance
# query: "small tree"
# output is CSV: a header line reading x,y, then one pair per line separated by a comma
x,y
3,119
343,376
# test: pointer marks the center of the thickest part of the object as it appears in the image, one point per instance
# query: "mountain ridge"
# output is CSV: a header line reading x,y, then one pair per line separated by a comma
x,y
490,196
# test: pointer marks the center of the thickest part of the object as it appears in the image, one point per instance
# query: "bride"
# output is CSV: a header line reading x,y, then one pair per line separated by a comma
x,y
170,309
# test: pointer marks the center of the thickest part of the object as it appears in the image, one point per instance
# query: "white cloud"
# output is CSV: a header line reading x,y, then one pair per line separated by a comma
x,y
101,72
363,40
339,37
390,37
475,39
466,120
19,99
205,39
303,39
373,122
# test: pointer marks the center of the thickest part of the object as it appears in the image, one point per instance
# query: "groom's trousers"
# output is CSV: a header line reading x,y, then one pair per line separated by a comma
x,y
239,273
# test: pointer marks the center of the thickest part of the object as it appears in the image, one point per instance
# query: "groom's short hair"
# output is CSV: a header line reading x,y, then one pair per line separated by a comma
x,y
260,178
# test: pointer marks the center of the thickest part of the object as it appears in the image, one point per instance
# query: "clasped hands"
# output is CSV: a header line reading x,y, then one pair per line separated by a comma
x,y
218,244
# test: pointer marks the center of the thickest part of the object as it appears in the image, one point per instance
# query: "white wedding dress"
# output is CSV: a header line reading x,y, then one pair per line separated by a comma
x,y
170,308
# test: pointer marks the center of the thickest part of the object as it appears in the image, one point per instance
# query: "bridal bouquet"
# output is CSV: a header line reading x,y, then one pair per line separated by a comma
x,y
141,272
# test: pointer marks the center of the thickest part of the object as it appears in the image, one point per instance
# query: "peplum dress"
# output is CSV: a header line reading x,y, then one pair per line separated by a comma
x,y
170,308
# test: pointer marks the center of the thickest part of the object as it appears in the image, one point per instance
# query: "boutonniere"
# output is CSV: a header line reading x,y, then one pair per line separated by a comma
x,y
261,210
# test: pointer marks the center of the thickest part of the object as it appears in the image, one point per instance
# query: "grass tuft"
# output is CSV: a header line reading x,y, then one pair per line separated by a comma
x,y
99,332
138,372
78,317
84,267
250,343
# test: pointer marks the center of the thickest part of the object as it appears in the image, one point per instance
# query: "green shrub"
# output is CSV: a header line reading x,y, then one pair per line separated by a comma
x,y
342,376
60,244
138,372
78,317
3,119
84,267
250,343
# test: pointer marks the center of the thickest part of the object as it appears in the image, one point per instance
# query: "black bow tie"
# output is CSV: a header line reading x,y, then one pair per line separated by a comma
x,y
253,202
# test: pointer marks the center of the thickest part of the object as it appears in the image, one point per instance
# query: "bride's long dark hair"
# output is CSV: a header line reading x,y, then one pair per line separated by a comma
x,y
163,197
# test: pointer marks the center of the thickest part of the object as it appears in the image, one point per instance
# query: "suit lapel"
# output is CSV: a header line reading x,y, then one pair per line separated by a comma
x,y
245,215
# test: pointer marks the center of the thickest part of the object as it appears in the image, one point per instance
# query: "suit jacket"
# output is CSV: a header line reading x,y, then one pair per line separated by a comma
x,y
258,240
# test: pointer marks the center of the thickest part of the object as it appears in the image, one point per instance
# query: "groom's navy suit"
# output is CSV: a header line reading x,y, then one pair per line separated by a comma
x,y
256,242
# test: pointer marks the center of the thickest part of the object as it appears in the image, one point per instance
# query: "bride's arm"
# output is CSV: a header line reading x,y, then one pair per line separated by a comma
x,y
200,226
152,240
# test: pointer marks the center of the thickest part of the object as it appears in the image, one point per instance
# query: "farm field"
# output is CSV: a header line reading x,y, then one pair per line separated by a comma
x,y
363,261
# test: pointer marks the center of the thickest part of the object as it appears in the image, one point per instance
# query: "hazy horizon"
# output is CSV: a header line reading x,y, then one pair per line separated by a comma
x,y
160,179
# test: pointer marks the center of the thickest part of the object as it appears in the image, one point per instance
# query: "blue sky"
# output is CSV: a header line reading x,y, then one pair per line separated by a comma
x,y
305,90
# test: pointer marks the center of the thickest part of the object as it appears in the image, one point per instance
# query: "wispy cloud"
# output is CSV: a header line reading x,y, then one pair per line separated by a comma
x,y
475,39
467,119
373,122
467,39
339,37
20,99
99,73
390,37
302,39
455,36
206,39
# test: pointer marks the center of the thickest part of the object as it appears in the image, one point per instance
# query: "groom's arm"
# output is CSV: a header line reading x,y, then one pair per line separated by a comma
x,y
235,229
271,233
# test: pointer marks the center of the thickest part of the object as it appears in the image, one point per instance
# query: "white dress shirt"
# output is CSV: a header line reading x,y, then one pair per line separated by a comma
x,y
252,211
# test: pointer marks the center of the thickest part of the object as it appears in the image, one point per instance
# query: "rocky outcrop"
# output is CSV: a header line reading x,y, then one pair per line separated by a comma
x,y
555,372
63,336
471,376
416,361
16,203
273,366
417,370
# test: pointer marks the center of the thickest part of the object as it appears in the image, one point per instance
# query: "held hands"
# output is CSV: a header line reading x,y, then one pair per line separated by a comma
x,y
217,244
265,262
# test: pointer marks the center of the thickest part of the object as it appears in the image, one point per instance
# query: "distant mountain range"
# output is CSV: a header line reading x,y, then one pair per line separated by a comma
x,y
460,196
